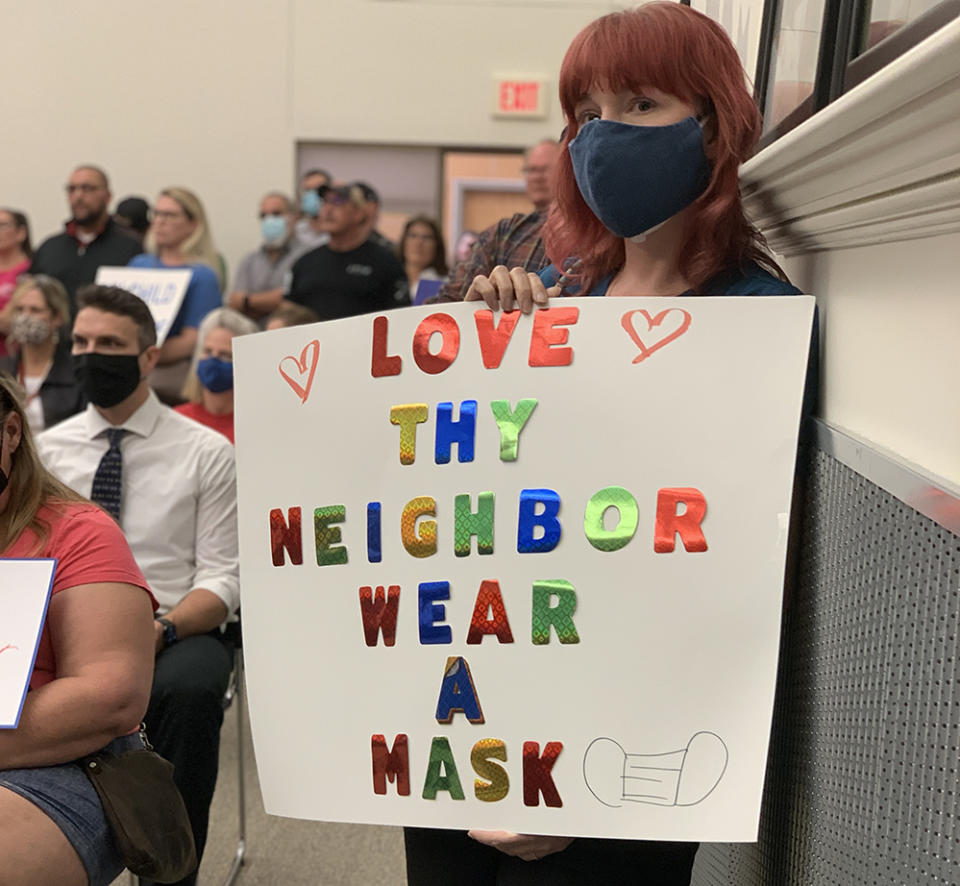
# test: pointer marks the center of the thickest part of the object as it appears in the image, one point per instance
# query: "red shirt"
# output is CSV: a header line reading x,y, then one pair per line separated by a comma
x,y
221,423
89,548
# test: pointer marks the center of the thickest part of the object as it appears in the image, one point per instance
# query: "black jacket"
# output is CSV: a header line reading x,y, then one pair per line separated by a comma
x,y
59,393
73,264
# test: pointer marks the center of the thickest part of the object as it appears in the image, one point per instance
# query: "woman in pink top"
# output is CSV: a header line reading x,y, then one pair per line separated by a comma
x,y
15,253
209,385
91,677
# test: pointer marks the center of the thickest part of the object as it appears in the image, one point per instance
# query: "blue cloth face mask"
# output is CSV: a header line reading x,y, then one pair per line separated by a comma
x,y
310,203
215,375
273,229
636,177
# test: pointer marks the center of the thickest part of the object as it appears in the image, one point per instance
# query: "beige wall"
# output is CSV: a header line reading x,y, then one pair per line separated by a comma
x,y
891,345
215,94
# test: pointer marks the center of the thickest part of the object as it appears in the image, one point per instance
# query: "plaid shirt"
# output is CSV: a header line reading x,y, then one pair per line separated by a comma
x,y
512,242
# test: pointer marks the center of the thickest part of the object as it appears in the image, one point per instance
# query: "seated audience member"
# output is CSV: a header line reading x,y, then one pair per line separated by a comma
x,y
349,275
514,242
91,676
91,239
209,387
308,229
180,238
290,314
42,363
422,252
170,484
15,253
259,285
132,216
373,216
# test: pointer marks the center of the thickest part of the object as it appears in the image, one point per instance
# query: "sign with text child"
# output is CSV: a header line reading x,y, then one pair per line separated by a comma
x,y
520,572
24,593
162,289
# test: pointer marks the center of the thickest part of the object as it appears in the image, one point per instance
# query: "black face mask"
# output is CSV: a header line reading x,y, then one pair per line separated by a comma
x,y
107,379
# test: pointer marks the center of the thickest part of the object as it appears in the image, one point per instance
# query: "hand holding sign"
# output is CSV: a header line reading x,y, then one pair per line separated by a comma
x,y
24,593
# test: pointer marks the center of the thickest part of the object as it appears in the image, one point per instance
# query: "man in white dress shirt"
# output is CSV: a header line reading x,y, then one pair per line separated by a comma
x,y
170,482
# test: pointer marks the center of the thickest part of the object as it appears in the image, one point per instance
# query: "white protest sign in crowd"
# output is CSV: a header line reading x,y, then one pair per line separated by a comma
x,y
24,594
161,288
520,572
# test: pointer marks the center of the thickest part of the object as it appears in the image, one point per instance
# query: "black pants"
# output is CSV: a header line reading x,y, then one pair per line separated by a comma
x,y
439,858
184,718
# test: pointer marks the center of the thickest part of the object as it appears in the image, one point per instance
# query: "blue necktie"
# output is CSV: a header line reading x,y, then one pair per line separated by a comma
x,y
108,480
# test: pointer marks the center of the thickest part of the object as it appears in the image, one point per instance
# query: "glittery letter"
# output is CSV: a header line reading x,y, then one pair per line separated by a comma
x,y
545,336
481,758
381,364
379,612
449,332
408,417
287,535
431,633
457,693
511,423
560,616
628,515
467,524
669,522
441,758
393,765
374,554
529,520
423,544
494,339
536,773
462,432
326,535
489,601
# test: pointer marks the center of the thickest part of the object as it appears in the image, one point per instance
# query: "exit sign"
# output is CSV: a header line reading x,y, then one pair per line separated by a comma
x,y
520,97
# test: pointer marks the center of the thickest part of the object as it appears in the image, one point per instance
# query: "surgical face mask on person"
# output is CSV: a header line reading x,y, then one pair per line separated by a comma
x,y
310,203
634,178
29,330
215,375
273,229
107,379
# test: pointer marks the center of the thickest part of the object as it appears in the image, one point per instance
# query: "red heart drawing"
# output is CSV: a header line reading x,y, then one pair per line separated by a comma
x,y
646,350
306,365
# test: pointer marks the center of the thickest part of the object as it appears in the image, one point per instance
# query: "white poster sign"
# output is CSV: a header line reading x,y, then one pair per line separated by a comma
x,y
24,593
520,572
162,289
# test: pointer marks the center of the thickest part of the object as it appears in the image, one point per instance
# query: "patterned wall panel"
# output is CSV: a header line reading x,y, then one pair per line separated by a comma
x,y
862,782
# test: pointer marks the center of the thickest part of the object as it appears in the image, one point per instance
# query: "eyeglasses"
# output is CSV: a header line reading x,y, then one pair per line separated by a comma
x,y
85,188
163,215
4,225
535,170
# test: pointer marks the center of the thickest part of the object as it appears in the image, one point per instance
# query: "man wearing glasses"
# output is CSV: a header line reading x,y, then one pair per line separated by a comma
x,y
513,242
90,239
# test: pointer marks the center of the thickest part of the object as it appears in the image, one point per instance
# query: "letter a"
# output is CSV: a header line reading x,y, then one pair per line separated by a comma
x,y
457,693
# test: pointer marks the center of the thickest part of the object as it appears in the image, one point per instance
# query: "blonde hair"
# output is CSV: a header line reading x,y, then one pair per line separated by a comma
x,y
219,318
52,290
31,485
198,247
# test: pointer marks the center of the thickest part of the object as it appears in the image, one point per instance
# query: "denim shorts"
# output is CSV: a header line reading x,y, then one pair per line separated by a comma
x,y
64,794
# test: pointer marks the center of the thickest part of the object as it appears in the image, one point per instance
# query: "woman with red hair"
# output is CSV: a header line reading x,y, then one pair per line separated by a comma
x,y
658,121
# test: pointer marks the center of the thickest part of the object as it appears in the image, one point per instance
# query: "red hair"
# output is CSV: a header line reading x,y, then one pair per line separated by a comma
x,y
684,53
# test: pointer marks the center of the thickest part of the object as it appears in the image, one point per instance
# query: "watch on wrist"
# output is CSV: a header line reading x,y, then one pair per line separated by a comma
x,y
169,632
